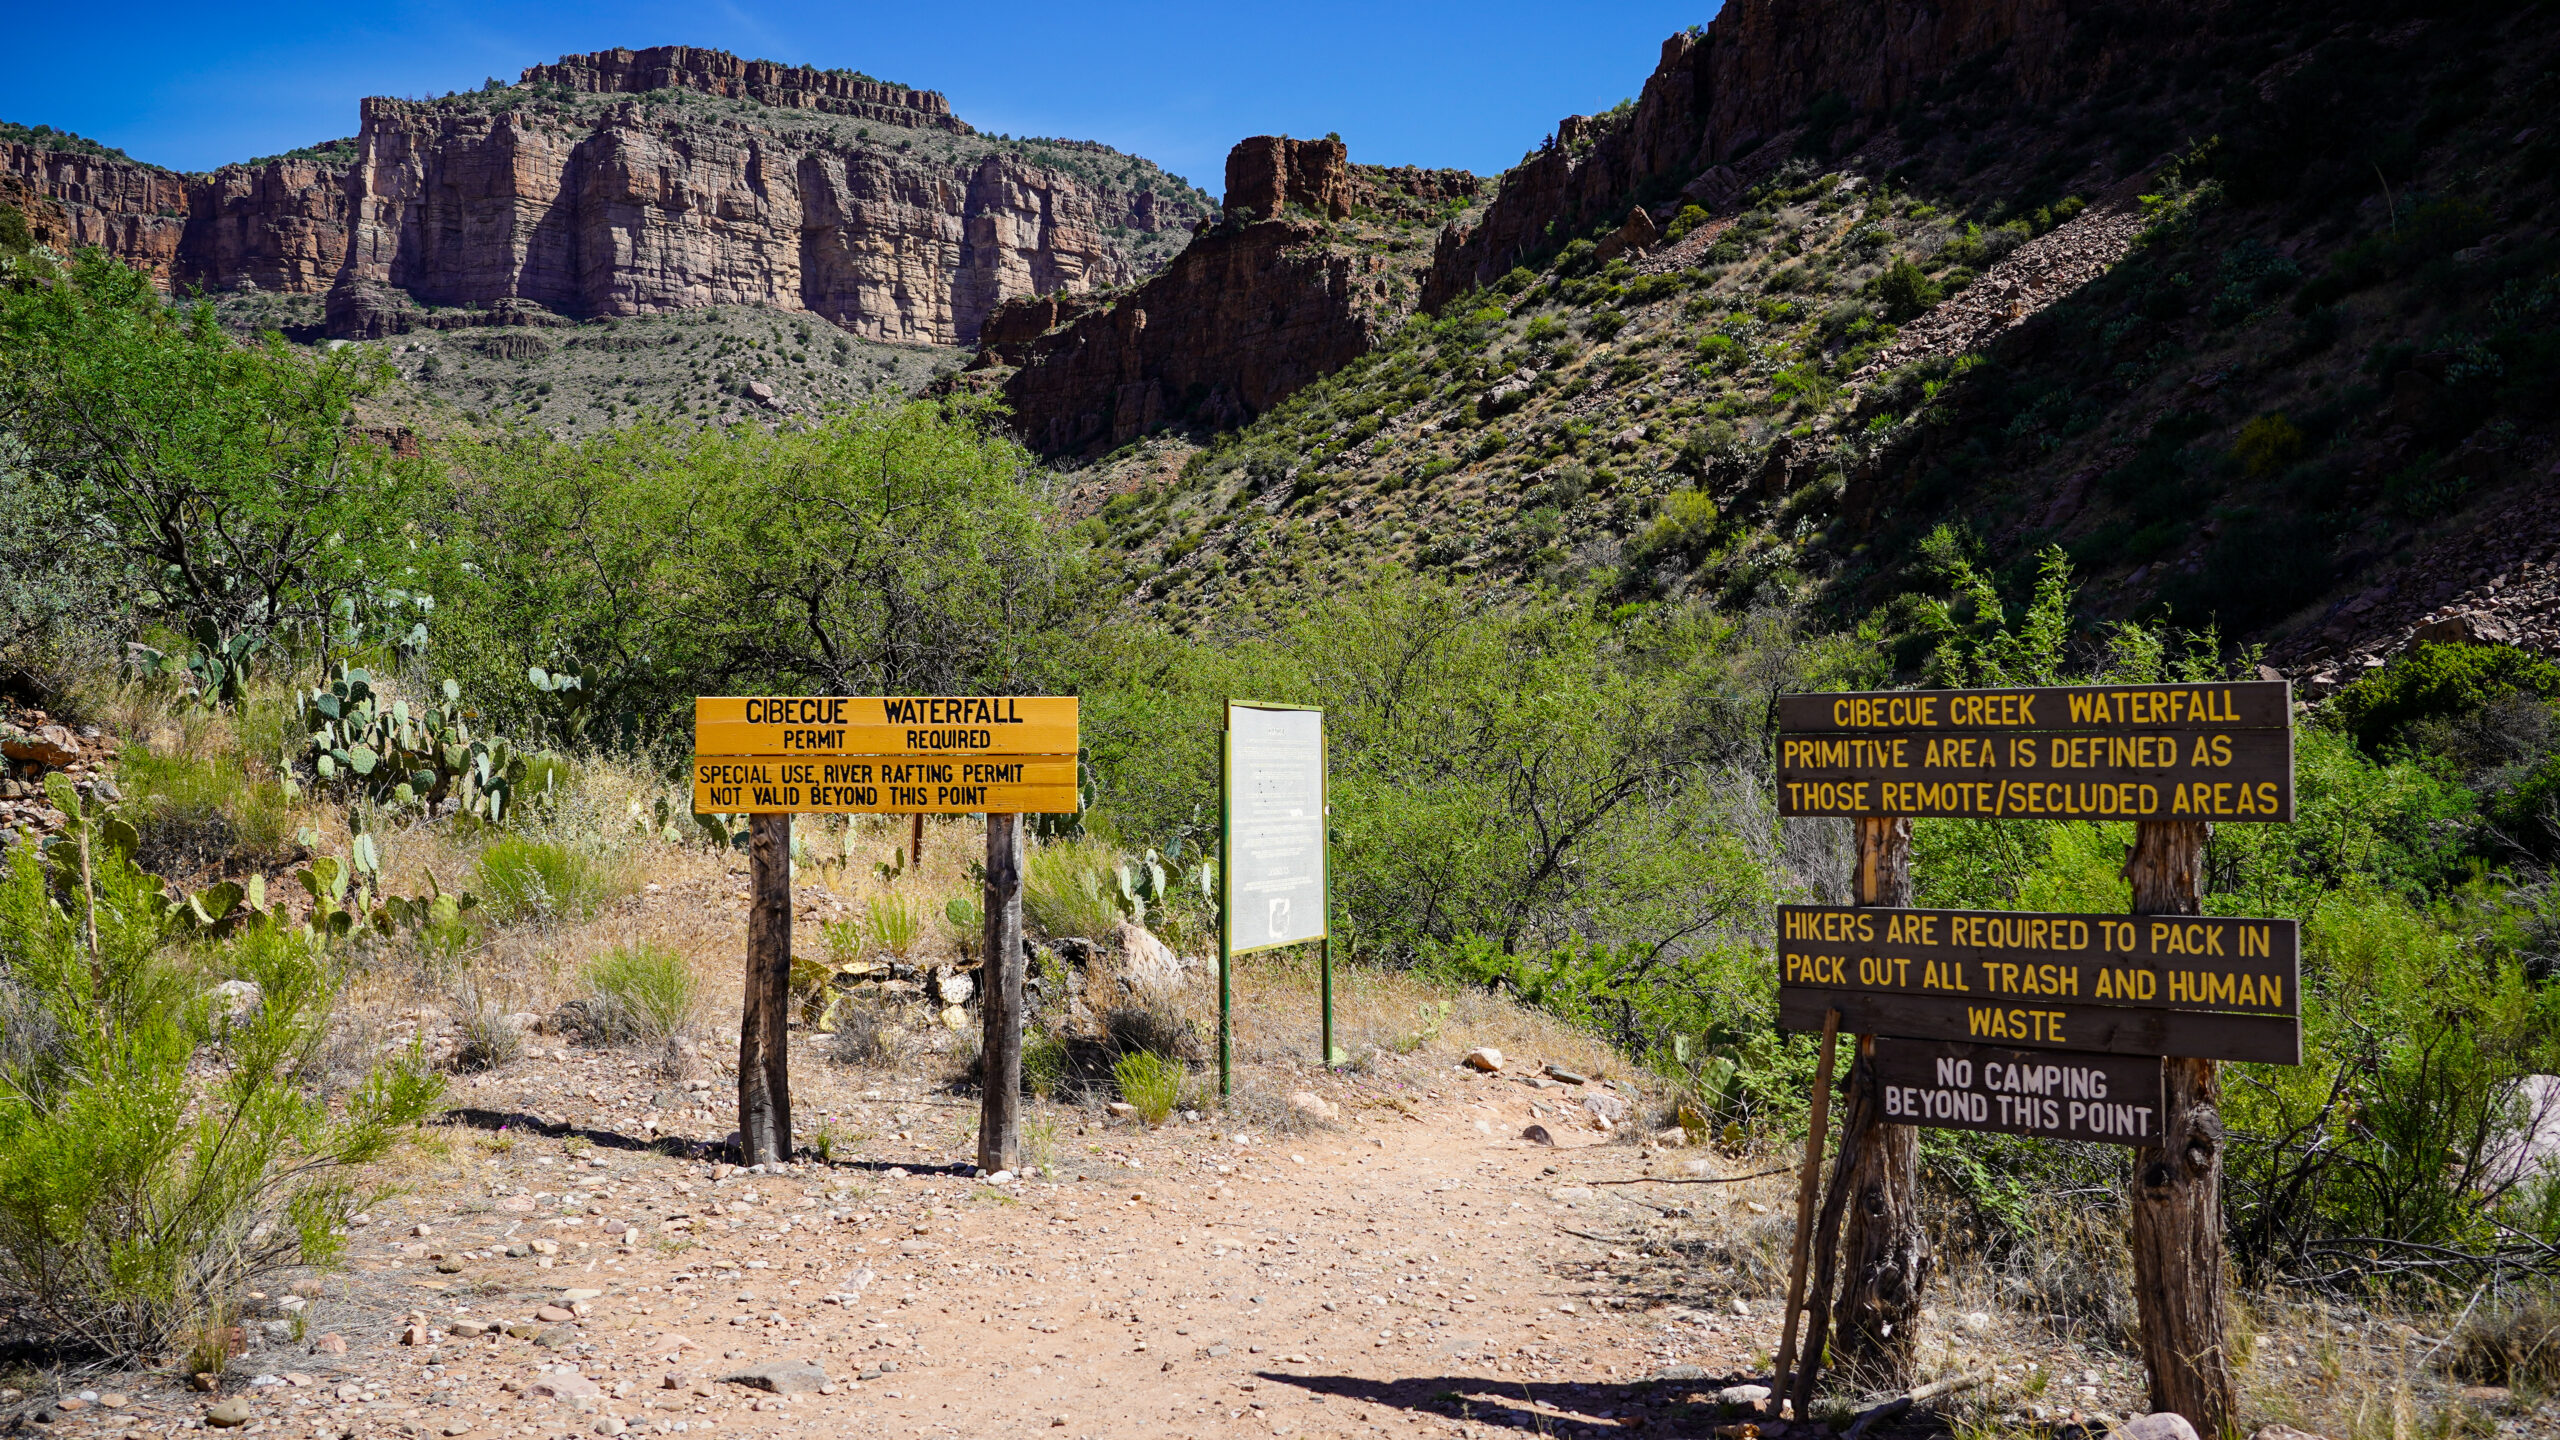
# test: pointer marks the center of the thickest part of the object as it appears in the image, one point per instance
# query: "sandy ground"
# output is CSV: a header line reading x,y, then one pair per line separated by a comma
x,y
1415,1268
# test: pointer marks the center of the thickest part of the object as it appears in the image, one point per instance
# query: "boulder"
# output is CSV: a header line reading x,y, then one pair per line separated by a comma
x,y
1484,1058
48,745
1314,1106
781,1377
1148,966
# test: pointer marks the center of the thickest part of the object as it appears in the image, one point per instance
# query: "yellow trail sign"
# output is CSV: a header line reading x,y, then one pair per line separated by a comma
x,y
856,725
885,784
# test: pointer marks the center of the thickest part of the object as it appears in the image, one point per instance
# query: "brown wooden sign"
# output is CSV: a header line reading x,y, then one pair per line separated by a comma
x,y
2162,962
2055,1094
2048,1024
2208,752
2060,709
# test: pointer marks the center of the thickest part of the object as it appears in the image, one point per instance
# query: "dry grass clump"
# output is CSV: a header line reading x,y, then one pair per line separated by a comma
x,y
2515,1343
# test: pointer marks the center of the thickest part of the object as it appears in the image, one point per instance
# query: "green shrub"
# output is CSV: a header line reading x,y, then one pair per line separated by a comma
x,y
641,994
894,923
2434,681
1044,1063
521,878
2267,444
1905,290
1689,218
1150,1082
139,1190
1683,530
1072,888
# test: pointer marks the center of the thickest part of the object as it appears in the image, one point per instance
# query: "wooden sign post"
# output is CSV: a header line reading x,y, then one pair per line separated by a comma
x,y
2016,1022
773,756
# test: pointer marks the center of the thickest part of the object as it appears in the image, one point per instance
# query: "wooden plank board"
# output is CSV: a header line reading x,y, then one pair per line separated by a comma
x,y
885,784
885,725
2055,1094
2078,709
1981,775
2068,1025
2162,962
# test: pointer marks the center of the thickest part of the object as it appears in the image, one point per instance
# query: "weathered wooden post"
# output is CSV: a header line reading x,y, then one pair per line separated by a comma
x,y
764,1024
2177,1188
771,756
1808,1185
1875,1184
1000,1002
1888,1261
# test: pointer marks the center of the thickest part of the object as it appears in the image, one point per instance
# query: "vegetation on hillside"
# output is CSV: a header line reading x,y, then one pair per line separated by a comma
x,y
1557,788
2313,349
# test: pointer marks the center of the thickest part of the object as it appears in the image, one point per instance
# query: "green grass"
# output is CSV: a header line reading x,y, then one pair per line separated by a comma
x,y
1070,888
894,922
525,879
649,989
203,810
1151,1083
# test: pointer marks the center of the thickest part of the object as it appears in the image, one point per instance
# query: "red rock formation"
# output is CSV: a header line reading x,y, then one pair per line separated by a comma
x,y
279,226
135,212
634,212
1268,173
1254,309
1720,93
716,72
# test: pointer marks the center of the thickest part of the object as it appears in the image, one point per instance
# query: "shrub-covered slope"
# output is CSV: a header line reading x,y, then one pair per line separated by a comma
x,y
2264,334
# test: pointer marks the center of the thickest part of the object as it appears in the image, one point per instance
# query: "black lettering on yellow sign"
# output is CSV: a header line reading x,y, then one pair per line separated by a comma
x,y
2005,960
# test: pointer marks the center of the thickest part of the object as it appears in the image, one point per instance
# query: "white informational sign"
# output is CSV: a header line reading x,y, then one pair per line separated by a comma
x,y
1275,827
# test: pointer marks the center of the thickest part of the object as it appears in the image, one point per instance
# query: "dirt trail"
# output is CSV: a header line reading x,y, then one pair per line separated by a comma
x,y
1414,1268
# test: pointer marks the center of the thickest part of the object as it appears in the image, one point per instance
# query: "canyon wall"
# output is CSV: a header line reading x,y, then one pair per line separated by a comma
x,y
278,225
1722,93
631,207
1272,297
716,72
632,182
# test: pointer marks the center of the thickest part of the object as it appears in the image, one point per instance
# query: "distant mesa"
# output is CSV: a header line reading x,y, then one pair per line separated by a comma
x,y
571,195
717,72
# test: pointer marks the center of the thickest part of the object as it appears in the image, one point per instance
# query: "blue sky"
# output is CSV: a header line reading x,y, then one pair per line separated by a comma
x,y
194,85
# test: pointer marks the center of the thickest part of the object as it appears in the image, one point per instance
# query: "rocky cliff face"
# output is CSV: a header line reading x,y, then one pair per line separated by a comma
x,y
277,225
634,182
716,72
723,181
1751,80
1312,264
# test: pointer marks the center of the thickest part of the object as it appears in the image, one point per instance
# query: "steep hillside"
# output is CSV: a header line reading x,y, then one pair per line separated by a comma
x,y
2263,330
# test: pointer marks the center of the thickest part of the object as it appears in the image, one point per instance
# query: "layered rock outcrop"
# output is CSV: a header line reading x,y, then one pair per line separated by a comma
x,y
277,225
633,182
1754,73
716,72
630,207
1271,298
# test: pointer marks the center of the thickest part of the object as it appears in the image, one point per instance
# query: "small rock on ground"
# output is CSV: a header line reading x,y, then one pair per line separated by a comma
x,y
782,1377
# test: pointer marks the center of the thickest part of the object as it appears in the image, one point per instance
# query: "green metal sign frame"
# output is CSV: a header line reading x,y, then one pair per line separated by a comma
x,y
1226,881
